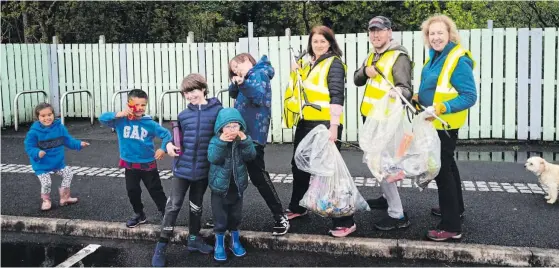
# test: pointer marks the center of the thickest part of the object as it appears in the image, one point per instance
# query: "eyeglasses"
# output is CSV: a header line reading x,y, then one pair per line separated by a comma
x,y
232,127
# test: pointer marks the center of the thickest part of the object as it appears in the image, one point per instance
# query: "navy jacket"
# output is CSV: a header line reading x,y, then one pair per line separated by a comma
x,y
197,127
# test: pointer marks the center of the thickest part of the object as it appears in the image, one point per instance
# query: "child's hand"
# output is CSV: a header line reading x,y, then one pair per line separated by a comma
x,y
227,137
124,113
171,149
237,79
159,154
42,153
84,144
242,135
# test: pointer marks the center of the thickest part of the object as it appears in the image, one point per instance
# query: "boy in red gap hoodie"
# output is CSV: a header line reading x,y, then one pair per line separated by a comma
x,y
138,156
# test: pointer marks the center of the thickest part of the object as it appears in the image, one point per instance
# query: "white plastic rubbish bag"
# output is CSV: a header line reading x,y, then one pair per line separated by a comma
x,y
380,136
424,155
332,192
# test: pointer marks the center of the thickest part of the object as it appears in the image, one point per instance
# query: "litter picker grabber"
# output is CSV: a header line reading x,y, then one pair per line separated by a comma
x,y
300,86
409,105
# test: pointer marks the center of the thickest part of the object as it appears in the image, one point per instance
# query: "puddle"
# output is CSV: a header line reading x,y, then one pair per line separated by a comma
x,y
505,156
40,255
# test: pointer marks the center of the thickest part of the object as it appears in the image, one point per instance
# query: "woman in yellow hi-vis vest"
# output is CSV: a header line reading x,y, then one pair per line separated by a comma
x,y
447,88
324,85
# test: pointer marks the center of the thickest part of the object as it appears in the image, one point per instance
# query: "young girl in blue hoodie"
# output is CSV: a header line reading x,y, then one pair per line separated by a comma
x,y
191,167
44,144
229,152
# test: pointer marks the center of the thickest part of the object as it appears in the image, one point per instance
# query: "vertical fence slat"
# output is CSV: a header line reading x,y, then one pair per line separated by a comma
x,y
217,67
24,69
510,84
12,79
224,65
352,117
276,125
138,64
485,90
176,104
97,92
194,59
116,70
145,69
157,79
180,67
498,98
76,102
475,48
464,131
536,84
151,77
286,59
89,74
103,80
54,88
168,100
4,83
110,82
32,83
523,65
131,55
42,52
362,53
83,81
549,97
61,74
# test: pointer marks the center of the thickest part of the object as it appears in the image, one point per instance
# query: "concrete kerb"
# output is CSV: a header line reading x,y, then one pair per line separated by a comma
x,y
364,247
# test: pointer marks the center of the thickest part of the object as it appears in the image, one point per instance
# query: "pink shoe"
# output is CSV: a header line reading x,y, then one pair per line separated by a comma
x,y
293,215
343,231
46,205
65,198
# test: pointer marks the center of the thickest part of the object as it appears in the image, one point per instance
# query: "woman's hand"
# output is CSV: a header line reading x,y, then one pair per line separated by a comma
x,y
333,133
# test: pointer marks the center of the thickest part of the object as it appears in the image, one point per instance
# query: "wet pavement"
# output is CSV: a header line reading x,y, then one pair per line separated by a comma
x,y
24,250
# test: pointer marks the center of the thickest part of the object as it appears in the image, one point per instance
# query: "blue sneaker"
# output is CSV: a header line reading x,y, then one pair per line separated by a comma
x,y
219,250
236,247
196,243
138,219
158,259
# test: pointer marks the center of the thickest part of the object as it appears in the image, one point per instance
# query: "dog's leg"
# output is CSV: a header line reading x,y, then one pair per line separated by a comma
x,y
552,188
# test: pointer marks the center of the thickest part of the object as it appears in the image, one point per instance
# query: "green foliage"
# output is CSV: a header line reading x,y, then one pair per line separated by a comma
x,y
226,21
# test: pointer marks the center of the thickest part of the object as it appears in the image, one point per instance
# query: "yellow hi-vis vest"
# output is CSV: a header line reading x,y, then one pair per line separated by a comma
x,y
377,87
291,102
445,91
315,84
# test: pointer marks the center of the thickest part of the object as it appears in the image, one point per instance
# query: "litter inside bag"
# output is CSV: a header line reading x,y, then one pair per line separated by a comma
x,y
395,148
332,192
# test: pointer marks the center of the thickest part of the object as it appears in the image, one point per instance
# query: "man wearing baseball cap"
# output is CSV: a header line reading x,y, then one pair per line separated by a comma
x,y
393,61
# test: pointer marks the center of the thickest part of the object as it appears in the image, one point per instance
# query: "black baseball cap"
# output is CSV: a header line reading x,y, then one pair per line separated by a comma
x,y
380,22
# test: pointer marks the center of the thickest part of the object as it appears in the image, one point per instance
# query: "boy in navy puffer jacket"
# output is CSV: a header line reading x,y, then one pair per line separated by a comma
x,y
191,168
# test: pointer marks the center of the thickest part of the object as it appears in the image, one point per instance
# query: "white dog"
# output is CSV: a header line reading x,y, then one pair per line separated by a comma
x,y
548,175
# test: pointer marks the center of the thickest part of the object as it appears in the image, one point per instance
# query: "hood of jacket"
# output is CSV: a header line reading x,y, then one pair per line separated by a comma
x,y
226,116
264,66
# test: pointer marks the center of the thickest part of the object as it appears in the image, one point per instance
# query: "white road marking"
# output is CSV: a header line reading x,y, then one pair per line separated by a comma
x,y
84,252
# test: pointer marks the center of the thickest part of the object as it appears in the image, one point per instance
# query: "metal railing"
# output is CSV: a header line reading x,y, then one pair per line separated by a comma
x,y
16,116
160,104
89,95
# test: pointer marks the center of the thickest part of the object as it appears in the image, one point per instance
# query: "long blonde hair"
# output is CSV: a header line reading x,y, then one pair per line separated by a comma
x,y
450,25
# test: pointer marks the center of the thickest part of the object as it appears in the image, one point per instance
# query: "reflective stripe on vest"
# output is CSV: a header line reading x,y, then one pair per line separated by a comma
x,y
377,87
315,84
446,92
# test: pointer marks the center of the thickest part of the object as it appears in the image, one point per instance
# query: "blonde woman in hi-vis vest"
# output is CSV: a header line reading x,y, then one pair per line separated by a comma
x,y
448,88
324,85
393,61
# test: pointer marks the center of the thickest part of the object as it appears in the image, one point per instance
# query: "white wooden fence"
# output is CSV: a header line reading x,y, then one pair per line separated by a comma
x,y
516,72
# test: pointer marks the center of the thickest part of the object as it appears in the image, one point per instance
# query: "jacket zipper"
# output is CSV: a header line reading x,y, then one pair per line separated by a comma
x,y
233,157
196,143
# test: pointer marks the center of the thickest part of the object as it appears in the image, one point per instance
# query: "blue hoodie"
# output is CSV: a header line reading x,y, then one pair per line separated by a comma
x,y
462,80
254,99
135,137
52,140
228,158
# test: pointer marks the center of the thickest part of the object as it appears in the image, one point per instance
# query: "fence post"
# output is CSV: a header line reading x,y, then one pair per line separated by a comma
x,y
101,39
489,24
252,42
190,38
53,74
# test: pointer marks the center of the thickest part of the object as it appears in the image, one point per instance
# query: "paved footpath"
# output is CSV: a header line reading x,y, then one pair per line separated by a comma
x,y
504,202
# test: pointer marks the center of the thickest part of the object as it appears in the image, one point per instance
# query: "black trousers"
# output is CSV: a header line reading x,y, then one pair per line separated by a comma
x,y
153,185
175,201
449,184
301,179
261,180
227,210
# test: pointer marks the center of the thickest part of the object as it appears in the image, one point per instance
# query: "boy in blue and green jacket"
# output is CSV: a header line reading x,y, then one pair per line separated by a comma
x,y
228,152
